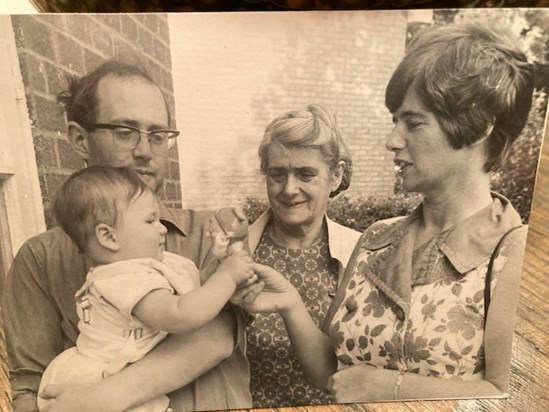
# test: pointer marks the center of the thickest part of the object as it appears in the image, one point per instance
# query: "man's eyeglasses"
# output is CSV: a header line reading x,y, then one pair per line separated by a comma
x,y
128,137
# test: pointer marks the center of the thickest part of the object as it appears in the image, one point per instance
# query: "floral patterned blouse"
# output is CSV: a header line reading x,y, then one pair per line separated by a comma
x,y
421,311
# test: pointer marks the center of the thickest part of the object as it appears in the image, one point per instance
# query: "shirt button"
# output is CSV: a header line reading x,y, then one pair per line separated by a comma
x,y
351,304
169,410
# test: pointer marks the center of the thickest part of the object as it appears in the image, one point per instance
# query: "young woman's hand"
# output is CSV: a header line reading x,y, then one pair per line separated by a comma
x,y
362,383
273,293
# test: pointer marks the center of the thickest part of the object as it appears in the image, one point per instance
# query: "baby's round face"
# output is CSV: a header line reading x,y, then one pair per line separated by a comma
x,y
140,233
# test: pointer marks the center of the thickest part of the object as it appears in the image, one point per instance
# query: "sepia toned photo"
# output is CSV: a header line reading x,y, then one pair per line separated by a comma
x,y
214,211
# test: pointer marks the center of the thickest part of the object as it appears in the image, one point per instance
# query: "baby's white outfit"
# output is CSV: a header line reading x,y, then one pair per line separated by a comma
x,y
110,336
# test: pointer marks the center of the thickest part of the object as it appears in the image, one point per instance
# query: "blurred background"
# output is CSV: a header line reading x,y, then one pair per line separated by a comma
x,y
226,76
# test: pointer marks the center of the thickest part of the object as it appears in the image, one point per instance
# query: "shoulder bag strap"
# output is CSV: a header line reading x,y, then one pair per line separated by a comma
x,y
488,279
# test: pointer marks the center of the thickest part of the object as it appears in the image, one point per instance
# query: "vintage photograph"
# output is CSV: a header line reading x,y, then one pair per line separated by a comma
x,y
213,211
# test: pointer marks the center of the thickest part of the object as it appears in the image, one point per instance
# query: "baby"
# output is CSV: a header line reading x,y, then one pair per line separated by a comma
x,y
135,293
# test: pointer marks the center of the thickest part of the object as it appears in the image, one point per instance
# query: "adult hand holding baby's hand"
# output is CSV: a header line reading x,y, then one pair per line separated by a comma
x,y
238,266
273,293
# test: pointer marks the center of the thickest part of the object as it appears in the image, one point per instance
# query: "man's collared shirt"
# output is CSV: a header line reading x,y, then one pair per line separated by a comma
x,y
49,269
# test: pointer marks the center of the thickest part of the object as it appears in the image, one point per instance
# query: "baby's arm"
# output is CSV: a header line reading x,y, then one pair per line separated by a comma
x,y
188,312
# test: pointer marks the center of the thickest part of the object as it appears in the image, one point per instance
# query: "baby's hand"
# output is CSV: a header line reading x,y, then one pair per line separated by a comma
x,y
239,267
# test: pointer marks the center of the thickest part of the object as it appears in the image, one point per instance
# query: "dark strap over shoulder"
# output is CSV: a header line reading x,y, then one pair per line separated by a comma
x,y
488,280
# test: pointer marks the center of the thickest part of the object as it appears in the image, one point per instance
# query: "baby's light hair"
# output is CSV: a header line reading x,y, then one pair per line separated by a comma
x,y
95,195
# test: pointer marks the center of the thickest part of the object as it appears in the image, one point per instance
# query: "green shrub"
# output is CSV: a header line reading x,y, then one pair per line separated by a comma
x,y
253,207
356,213
515,179
360,213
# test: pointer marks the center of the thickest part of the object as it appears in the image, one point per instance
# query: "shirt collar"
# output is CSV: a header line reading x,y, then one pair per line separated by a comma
x,y
170,216
473,241
468,243
339,249
341,241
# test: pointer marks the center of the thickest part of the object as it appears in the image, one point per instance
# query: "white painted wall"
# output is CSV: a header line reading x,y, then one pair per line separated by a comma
x,y
22,213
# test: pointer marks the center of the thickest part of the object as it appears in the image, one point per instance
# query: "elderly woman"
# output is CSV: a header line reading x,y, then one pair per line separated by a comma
x,y
413,318
305,162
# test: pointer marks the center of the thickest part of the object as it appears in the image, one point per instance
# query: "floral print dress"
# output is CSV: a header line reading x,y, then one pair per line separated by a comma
x,y
421,311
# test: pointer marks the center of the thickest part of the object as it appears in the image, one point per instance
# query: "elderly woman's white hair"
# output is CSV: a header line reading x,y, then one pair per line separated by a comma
x,y
315,127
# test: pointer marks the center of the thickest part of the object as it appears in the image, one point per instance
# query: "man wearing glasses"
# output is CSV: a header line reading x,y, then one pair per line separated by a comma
x,y
117,116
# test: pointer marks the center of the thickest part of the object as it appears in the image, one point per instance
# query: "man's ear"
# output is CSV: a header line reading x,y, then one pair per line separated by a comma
x,y
337,175
106,236
77,136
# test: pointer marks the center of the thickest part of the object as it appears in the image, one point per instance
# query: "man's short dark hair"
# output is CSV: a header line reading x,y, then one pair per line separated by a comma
x,y
80,99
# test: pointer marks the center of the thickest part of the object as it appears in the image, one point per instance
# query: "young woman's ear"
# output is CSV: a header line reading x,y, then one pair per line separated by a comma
x,y
106,237
77,136
337,175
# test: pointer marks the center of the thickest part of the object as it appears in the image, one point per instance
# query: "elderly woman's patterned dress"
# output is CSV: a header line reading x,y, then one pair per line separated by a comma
x,y
277,378
421,311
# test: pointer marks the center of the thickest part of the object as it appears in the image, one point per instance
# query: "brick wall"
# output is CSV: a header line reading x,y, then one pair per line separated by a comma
x,y
232,80
53,46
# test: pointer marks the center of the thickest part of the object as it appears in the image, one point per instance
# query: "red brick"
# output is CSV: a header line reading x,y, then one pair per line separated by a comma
x,y
164,31
167,80
103,41
80,26
171,191
44,150
48,218
156,21
127,53
150,21
161,194
155,71
48,114
56,78
32,72
42,182
68,157
91,60
174,170
159,50
112,20
69,53
86,43
145,41
52,20
171,105
52,182
33,35
128,27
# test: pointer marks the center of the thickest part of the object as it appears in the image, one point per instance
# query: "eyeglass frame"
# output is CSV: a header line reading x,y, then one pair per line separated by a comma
x,y
113,126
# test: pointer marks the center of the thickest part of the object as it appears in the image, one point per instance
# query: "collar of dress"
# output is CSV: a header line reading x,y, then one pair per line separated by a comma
x,y
341,240
467,245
